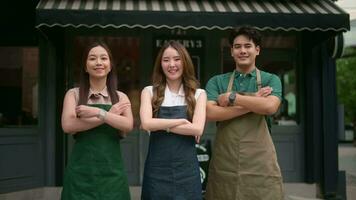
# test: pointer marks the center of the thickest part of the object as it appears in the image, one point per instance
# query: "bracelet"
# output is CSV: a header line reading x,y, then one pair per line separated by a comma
x,y
167,130
101,115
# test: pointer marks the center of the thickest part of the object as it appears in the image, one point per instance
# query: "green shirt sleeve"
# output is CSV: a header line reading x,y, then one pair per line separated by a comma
x,y
212,89
276,85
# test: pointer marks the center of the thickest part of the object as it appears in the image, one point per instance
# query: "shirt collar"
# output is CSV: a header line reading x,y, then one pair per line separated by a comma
x,y
103,93
252,73
180,91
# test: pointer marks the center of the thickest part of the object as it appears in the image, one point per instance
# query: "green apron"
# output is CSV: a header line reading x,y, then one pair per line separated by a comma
x,y
244,163
95,168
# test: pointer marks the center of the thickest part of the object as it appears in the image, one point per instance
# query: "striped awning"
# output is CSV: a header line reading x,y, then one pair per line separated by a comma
x,y
287,15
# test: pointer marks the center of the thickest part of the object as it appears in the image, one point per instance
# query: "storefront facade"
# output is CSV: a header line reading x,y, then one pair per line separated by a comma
x,y
296,42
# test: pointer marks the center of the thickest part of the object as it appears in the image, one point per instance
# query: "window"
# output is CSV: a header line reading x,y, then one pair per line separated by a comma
x,y
18,86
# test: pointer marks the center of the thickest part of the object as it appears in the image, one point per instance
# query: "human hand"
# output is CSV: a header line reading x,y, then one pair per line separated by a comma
x,y
84,111
120,107
223,99
264,92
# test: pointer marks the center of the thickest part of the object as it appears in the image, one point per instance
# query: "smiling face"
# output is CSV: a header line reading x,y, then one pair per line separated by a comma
x,y
172,65
244,52
98,62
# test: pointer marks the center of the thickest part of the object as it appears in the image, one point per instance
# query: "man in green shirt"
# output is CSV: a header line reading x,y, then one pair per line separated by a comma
x,y
244,162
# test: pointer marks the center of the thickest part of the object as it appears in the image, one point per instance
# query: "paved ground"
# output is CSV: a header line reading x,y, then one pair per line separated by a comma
x,y
294,191
347,162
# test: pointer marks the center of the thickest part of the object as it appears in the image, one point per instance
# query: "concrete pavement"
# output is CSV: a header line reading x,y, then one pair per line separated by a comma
x,y
293,191
347,162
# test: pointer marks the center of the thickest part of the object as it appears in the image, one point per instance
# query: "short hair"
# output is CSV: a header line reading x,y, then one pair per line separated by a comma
x,y
248,31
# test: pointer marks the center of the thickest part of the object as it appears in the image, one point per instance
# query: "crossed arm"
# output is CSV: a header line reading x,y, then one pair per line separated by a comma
x,y
178,126
81,118
262,103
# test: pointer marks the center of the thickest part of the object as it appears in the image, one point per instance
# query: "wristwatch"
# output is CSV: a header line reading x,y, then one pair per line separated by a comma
x,y
232,98
101,115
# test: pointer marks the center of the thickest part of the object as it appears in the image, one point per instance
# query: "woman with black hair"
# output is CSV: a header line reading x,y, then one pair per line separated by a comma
x,y
97,115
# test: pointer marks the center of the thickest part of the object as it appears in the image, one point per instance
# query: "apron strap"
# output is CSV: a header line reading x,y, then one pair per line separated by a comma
x,y
258,76
258,80
232,77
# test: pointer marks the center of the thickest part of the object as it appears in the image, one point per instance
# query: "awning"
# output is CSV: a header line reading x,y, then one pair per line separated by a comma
x,y
312,15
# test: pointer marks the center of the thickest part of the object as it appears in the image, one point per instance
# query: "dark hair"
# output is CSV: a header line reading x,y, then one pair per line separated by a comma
x,y
190,83
111,81
248,31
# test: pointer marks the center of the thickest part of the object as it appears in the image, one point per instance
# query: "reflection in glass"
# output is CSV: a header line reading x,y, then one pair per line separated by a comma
x,y
18,86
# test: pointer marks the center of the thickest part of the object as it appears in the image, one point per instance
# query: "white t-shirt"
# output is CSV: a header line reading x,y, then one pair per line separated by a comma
x,y
174,99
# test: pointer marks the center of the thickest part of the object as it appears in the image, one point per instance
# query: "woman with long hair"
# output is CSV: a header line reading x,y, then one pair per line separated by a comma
x,y
97,115
173,112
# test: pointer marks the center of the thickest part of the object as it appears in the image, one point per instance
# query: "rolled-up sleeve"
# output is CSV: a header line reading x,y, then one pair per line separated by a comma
x,y
276,85
212,89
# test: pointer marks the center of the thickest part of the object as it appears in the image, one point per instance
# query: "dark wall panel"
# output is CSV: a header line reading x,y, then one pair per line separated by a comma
x,y
21,164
